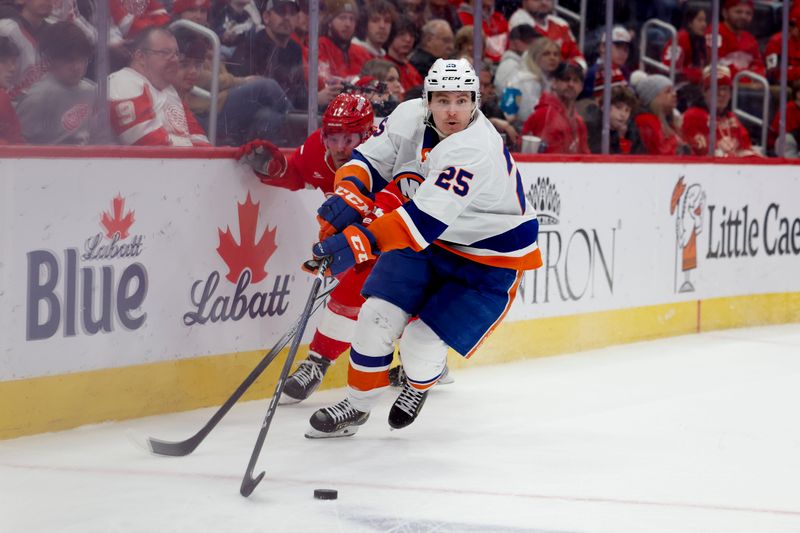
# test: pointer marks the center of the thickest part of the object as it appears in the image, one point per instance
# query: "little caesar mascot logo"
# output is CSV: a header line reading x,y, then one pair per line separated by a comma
x,y
83,291
687,204
246,261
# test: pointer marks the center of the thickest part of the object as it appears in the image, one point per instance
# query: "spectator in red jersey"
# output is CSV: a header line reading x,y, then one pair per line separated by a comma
x,y
620,50
10,129
131,17
539,14
658,124
26,30
145,107
738,49
444,10
495,28
555,120
59,107
402,41
192,10
692,54
732,137
375,27
773,50
339,58
436,41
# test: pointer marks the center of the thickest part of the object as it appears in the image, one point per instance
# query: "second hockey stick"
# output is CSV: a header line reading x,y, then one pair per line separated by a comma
x,y
185,447
249,482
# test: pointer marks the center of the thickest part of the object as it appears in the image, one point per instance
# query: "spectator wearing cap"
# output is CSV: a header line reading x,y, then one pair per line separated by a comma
x,y
494,25
620,50
539,14
131,17
732,137
146,109
738,49
237,19
401,43
526,85
444,10
26,31
10,128
375,27
555,120
657,122
773,50
270,52
192,10
339,58
519,39
58,108
436,41
692,54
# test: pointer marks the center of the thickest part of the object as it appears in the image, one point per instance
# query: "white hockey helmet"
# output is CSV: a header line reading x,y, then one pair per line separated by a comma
x,y
452,75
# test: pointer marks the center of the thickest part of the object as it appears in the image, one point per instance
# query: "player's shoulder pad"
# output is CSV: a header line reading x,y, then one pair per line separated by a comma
x,y
406,120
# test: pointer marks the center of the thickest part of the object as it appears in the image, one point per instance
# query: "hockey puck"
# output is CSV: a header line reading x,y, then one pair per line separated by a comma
x,y
325,494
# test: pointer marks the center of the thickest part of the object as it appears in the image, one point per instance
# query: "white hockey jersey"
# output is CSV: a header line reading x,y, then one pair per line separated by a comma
x,y
471,201
144,115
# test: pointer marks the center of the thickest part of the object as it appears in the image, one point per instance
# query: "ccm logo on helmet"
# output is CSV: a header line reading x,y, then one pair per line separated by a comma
x,y
451,78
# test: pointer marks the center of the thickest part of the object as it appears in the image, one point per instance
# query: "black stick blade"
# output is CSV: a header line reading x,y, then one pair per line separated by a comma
x,y
173,449
249,484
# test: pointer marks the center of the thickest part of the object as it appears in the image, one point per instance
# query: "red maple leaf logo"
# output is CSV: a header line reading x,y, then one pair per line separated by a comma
x,y
249,254
116,223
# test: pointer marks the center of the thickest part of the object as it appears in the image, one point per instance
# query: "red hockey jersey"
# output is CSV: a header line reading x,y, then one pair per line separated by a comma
x,y
732,137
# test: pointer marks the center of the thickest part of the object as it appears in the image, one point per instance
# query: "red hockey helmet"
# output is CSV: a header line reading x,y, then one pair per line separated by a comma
x,y
349,113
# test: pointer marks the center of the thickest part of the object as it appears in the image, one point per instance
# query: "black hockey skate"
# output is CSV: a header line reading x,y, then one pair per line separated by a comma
x,y
397,376
305,380
406,407
338,420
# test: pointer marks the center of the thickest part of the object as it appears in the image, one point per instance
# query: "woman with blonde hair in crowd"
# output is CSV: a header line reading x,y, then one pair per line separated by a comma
x,y
526,86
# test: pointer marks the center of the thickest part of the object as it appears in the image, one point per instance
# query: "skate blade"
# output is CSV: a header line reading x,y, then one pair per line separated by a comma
x,y
312,433
446,380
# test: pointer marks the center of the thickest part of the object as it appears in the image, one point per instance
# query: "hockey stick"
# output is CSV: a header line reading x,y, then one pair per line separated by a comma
x,y
249,483
185,447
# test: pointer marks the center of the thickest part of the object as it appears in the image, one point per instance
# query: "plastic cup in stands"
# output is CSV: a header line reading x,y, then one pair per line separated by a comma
x,y
530,144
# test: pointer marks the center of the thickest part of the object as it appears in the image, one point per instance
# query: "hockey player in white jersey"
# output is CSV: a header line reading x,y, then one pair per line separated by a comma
x,y
452,256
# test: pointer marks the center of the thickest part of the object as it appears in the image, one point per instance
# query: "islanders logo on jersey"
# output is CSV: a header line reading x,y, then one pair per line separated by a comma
x,y
688,206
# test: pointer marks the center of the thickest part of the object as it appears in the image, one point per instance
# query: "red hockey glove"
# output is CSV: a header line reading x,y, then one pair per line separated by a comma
x,y
349,204
264,158
353,246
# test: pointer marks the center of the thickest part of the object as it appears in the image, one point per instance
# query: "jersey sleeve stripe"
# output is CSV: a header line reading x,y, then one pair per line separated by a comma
x,y
393,232
353,169
520,193
378,181
421,223
515,239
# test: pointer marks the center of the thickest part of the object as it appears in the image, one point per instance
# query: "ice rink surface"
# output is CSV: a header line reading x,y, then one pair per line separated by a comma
x,y
691,434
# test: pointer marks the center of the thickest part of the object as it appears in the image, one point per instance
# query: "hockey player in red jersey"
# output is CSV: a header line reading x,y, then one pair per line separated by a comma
x,y
347,122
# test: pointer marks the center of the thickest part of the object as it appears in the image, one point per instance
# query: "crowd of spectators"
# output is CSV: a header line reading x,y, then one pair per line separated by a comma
x,y
536,80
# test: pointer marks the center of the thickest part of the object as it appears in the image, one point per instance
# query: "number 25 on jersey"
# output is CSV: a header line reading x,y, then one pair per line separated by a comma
x,y
461,177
